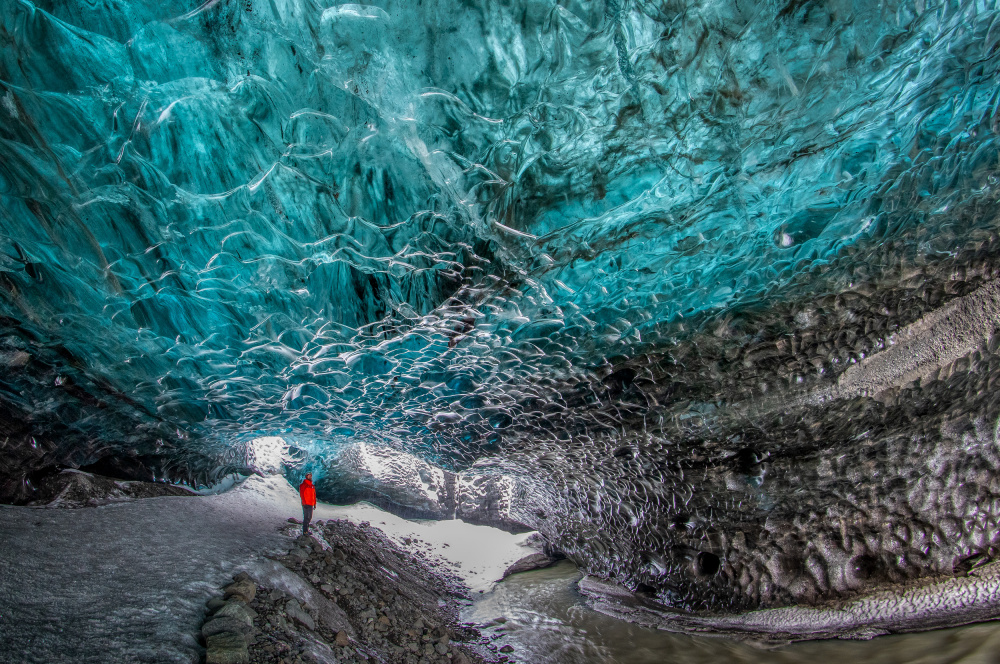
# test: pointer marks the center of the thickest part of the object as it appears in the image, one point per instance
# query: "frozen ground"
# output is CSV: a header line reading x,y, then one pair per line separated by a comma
x,y
127,582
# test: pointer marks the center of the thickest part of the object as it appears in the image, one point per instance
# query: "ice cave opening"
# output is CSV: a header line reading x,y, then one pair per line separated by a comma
x,y
705,293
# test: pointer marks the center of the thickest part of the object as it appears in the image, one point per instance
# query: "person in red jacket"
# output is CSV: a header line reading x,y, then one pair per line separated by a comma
x,y
308,494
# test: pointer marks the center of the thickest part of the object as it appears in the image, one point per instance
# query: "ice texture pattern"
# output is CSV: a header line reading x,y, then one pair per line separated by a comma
x,y
617,253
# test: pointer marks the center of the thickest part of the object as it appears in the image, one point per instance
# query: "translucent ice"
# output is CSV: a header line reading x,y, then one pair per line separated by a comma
x,y
609,249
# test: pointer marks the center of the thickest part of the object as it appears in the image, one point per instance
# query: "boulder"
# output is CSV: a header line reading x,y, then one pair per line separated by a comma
x,y
224,624
533,561
245,590
226,648
237,610
295,611
214,604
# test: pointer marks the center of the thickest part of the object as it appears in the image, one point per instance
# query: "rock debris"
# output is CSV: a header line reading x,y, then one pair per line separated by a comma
x,y
355,598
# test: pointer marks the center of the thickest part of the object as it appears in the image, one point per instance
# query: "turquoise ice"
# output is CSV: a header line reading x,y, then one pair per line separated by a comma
x,y
467,229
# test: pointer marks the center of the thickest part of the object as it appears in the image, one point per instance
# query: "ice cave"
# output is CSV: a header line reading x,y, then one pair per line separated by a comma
x,y
703,294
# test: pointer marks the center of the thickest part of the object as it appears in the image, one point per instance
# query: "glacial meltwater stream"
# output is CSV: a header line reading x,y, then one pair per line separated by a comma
x,y
543,616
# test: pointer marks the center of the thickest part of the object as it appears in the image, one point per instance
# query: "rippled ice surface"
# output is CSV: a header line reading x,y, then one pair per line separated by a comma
x,y
625,253
547,623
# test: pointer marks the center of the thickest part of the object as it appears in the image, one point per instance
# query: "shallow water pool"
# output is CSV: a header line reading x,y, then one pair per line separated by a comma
x,y
547,622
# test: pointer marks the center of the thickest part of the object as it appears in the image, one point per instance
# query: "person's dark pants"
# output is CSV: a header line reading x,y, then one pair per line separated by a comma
x,y
307,515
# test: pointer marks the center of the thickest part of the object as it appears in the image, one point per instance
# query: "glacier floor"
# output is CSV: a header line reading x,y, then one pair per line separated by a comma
x,y
127,582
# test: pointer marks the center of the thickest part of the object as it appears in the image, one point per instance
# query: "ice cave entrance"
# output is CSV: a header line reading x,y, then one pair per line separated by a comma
x,y
707,294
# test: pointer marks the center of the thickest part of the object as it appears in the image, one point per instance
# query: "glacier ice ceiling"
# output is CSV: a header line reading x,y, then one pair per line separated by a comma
x,y
711,285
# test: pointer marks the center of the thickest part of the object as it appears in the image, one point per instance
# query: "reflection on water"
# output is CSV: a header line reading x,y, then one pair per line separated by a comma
x,y
547,623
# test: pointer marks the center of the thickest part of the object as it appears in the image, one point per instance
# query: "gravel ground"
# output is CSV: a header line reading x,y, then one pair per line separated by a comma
x,y
344,594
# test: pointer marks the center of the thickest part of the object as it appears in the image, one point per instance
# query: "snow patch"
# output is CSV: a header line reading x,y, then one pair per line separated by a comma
x,y
479,555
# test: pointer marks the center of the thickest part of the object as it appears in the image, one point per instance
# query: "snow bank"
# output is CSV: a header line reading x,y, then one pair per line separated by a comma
x,y
479,554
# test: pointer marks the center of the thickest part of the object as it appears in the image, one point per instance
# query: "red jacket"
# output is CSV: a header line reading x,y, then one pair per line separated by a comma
x,y
308,493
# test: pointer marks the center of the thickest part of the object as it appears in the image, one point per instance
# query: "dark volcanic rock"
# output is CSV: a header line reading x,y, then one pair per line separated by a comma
x,y
237,610
294,611
350,595
214,604
75,488
528,563
244,590
225,624
226,648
